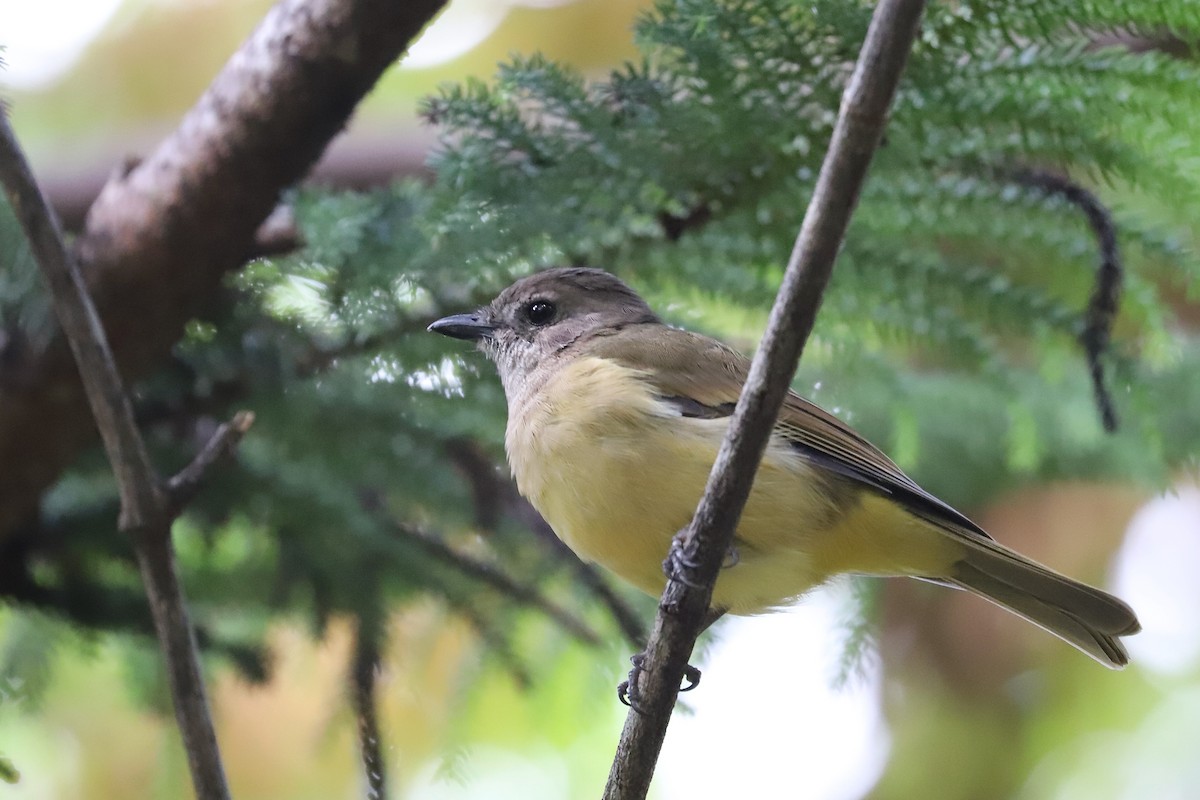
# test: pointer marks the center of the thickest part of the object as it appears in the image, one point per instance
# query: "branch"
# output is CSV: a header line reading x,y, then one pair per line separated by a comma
x,y
144,506
1106,291
182,487
278,234
497,642
363,672
161,236
630,623
356,161
1141,41
494,493
498,580
685,603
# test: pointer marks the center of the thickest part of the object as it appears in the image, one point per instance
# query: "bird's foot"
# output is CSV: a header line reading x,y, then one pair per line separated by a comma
x,y
681,564
629,691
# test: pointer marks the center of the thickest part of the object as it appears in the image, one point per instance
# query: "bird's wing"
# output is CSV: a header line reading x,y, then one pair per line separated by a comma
x,y
703,378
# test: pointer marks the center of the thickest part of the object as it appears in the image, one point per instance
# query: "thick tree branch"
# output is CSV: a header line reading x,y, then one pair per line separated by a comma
x,y
357,161
161,236
685,603
145,514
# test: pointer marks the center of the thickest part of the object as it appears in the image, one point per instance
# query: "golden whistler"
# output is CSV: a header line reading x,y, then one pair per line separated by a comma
x,y
615,419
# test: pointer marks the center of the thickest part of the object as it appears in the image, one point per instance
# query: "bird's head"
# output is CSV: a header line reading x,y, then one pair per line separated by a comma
x,y
544,314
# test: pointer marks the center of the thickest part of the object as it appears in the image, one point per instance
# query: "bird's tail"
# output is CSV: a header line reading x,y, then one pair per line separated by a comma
x,y
1080,615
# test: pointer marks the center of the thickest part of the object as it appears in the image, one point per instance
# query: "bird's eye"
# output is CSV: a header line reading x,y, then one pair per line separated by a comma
x,y
539,312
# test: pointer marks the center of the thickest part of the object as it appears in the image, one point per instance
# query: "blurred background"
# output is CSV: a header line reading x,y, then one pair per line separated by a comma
x,y
369,514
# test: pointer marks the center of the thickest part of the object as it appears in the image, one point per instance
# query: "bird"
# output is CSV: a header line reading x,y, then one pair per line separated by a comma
x,y
615,419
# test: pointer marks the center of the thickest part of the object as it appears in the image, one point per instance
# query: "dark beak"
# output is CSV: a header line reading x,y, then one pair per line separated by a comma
x,y
464,326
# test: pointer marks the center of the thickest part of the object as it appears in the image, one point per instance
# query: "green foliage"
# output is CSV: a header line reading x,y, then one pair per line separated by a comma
x,y
8,772
687,172
25,313
949,334
859,628
28,646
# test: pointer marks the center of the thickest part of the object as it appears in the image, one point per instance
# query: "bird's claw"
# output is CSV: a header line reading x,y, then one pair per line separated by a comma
x,y
629,691
679,563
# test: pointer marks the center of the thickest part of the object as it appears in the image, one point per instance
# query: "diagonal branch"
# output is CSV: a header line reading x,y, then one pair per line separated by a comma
x,y
494,494
497,579
685,603
145,513
497,638
184,485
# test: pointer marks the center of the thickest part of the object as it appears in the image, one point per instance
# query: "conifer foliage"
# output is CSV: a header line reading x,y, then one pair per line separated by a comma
x,y
951,334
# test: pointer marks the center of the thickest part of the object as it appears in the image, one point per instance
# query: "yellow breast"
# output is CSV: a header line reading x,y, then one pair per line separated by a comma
x,y
616,472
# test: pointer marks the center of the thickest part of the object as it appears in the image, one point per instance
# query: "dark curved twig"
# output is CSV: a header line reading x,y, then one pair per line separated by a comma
x,y
1106,291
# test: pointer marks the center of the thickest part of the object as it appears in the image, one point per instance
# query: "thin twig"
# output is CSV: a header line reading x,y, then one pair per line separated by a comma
x,y
489,574
278,235
184,485
497,643
144,506
631,625
1106,290
363,674
494,493
685,603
